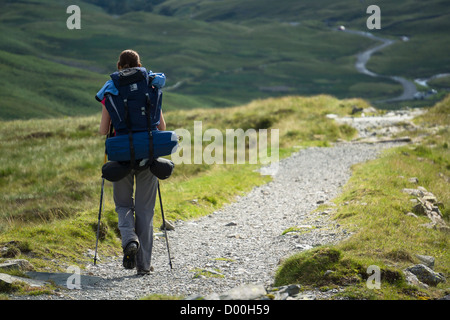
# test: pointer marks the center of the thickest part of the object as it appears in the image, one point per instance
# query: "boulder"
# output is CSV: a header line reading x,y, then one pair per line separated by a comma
x,y
413,180
244,292
17,264
426,260
9,279
411,279
426,275
419,209
356,109
284,292
426,204
429,198
168,226
61,279
413,192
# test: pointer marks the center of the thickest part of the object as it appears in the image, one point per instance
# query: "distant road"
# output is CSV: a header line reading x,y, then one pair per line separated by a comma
x,y
409,88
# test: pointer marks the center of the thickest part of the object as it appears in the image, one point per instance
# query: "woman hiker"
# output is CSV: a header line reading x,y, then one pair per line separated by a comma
x,y
135,217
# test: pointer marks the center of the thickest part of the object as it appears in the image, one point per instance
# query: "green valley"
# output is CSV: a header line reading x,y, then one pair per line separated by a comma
x,y
215,54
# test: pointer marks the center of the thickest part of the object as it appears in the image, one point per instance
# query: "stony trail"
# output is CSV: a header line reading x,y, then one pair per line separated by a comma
x,y
242,242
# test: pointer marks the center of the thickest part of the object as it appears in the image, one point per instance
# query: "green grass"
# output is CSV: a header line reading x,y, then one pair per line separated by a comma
x,y
198,272
373,208
158,297
443,82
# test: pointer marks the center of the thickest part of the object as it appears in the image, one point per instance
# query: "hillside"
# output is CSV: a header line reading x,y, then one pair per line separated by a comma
x,y
215,54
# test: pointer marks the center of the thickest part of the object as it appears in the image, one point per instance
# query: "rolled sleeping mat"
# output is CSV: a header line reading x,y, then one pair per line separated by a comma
x,y
164,143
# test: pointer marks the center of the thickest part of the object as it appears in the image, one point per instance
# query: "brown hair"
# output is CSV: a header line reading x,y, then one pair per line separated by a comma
x,y
128,59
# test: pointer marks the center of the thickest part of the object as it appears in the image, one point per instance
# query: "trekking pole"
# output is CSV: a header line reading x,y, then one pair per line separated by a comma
x,y
165,227
101,201
99,218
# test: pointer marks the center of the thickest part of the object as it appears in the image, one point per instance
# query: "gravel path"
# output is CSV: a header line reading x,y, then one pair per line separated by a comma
x,y
243,241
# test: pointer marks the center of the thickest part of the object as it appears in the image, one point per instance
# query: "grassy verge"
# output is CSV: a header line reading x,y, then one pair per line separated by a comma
x,y
375,209
50,175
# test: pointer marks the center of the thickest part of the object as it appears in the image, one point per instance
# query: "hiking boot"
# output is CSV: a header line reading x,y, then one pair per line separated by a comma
x,y
129,255
141,272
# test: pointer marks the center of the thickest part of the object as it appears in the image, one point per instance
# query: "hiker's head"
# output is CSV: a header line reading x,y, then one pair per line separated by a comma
x,y
128,59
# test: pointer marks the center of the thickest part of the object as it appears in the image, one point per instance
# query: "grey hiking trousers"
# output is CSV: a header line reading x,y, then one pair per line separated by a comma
x,y
137,225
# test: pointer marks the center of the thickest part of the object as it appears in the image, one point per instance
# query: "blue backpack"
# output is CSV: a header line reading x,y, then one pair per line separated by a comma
x,y
135,111
137,99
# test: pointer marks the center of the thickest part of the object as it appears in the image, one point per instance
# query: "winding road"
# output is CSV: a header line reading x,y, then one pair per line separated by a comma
x,y
409,88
